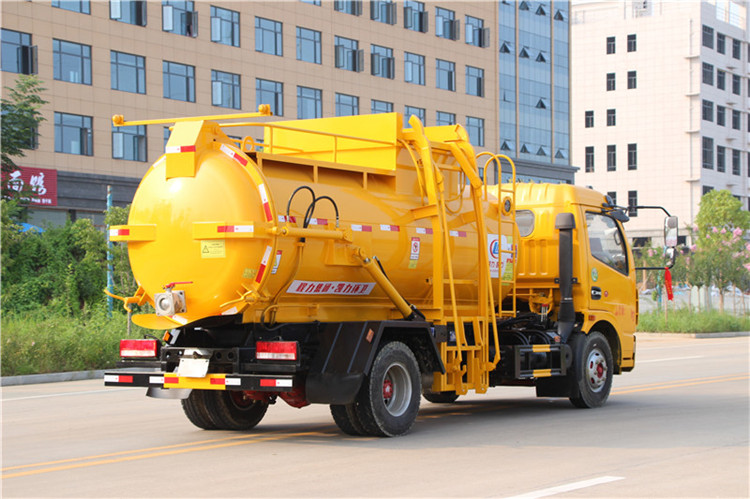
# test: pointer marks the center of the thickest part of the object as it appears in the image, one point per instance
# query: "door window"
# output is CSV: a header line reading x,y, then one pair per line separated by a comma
x,y
606,242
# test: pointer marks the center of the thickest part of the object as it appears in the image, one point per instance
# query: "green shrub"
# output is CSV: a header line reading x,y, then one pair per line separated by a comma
x,y
685,321
42,342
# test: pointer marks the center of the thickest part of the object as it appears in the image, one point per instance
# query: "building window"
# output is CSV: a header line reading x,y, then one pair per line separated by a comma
x,y
707,189
475,128
268,36
611,117
311,2
632,79
347,105
179,17
736,49
128,11
415,17
179,81
721,43
271,93
708,73
610,44
589,159
708,110
383,11
445,75
413,68
419,112
721,115
736,162
80,6
632,203
73,134
167,133
631,43
381,106
129,143
309,103
708,37
721,159
353,7
308,45
632,156
72,62
128,72
613,196
476,33
610,81
18,55
225,89
736,85
708,153
446,24
382,62
736,118
611,158
721,77
442,118
475,81
589,119
225,26
348,55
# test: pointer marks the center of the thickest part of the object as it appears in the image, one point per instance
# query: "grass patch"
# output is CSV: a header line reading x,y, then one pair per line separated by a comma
x,y
36,343
685,321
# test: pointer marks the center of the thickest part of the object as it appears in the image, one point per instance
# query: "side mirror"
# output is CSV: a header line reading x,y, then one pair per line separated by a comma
x,y
670,254
670,232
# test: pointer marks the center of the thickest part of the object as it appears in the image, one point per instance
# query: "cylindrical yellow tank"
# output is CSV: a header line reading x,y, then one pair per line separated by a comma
x,y
210,221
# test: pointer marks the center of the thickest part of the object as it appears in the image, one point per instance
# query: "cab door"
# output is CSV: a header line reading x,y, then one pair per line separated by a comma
x,y
611,277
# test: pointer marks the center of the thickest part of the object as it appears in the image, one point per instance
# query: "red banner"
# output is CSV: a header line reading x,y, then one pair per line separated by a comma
x,y
37,186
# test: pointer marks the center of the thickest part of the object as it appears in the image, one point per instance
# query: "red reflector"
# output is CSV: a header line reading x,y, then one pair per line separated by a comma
x,y
268,382
172,380
217,381
276,350
125,379
138,348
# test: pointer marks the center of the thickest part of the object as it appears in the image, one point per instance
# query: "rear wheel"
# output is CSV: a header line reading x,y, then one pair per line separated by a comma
x,y
196,410
233,410
388,401
347,420
440,397
592,370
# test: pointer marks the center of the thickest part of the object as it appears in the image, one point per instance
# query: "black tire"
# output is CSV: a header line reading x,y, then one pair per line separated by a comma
x,y
231,410
388,401
196,410
440,397
593,369
345,417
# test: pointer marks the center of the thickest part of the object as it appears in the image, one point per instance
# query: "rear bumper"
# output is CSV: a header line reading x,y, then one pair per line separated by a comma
x,y
249,382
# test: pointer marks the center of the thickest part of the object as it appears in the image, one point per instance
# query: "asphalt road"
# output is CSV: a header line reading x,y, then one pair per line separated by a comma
x,y
677,426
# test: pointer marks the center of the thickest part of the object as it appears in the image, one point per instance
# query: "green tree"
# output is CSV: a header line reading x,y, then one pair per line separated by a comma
x,y
721,250
21,117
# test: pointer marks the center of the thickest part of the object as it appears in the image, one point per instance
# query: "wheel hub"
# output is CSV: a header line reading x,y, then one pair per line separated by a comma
x,y
397,390
596,370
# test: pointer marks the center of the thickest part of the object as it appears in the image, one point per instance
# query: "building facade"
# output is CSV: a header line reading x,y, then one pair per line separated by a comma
x,y
660,95
498,68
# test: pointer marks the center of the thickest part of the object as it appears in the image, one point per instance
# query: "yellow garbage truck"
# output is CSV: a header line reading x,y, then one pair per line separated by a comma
x,y
363,262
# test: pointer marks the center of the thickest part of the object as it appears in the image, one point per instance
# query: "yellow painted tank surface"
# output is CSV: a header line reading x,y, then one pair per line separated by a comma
x,y
306,227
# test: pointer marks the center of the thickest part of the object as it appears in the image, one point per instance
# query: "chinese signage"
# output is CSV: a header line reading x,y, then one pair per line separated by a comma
x,y
37,186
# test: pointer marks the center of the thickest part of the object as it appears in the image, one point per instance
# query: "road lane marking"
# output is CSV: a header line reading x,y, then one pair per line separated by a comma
x,y
568,487
679,384
12,399
670,359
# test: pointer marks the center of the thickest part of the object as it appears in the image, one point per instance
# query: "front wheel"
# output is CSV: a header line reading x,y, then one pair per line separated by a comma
x,y
592,370
388,401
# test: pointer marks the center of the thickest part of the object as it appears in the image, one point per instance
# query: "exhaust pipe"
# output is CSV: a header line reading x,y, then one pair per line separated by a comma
x,y
566,315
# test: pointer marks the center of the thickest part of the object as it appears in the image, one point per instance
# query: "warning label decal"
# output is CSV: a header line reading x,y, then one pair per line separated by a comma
x,y
213,249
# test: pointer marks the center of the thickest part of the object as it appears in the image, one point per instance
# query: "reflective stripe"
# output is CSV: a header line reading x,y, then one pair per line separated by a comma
x,y
178,149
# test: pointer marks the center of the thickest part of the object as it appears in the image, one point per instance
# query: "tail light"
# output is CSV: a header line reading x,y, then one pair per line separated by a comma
x,y
276,350
146,348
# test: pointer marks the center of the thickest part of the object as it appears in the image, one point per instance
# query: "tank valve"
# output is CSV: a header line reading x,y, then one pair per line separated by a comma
x,y
170,303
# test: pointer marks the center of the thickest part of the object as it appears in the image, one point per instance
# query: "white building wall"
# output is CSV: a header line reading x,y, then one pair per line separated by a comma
x,y
663,115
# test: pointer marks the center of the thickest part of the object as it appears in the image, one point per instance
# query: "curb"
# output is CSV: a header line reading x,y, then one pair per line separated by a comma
x,y
33,379
732,334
